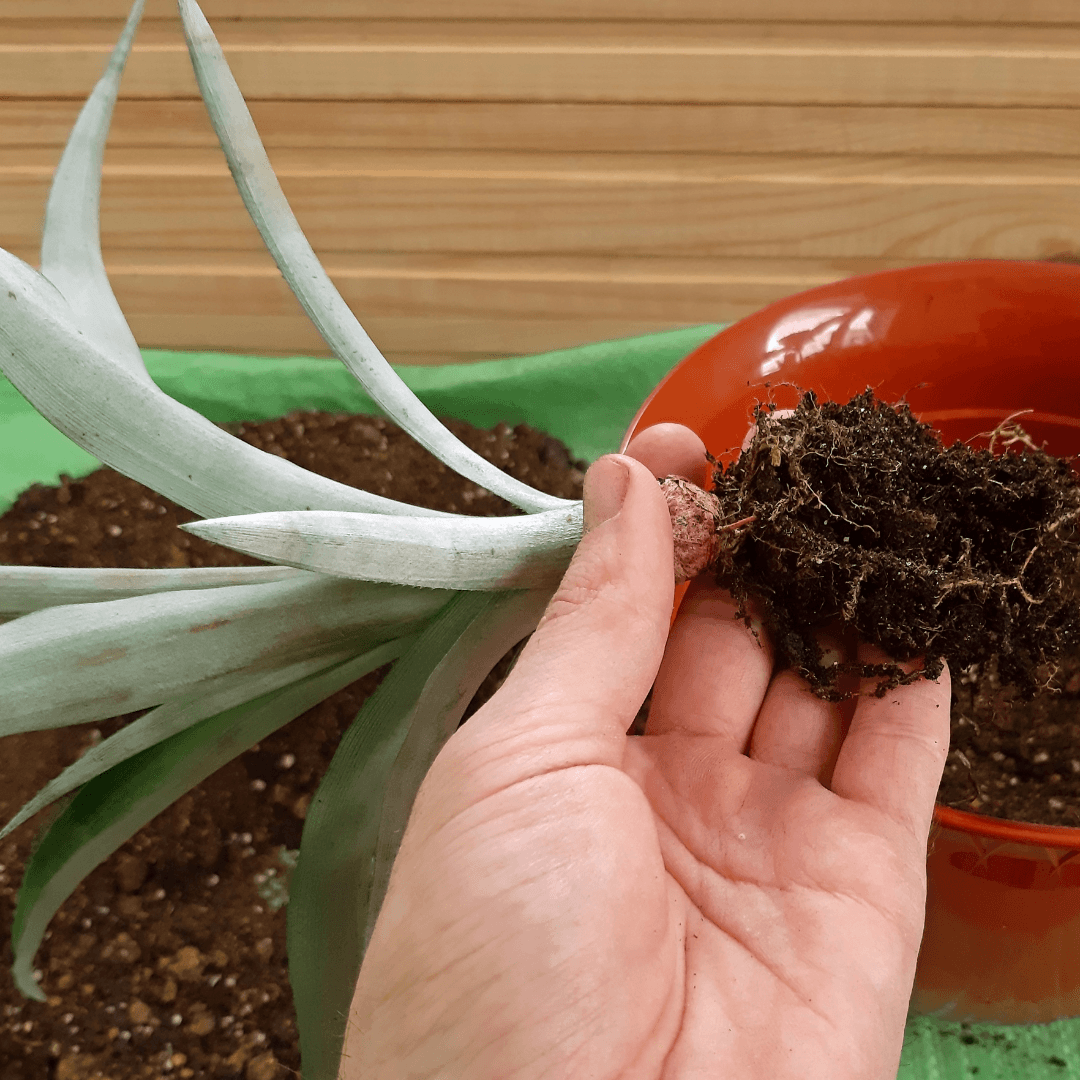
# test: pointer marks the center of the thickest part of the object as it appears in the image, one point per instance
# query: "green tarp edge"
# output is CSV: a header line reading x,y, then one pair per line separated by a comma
x,y
585,396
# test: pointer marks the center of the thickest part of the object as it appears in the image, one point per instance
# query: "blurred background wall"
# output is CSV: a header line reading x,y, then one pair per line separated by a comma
x,y
494,177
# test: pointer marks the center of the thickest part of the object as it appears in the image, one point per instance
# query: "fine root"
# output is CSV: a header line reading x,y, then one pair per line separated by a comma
x,y
857,513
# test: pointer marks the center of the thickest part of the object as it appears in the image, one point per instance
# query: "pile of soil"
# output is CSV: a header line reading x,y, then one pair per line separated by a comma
x,y
1013,758
857,513
169,959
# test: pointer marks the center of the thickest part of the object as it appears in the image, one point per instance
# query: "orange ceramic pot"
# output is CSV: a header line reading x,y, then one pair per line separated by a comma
x,y
966,345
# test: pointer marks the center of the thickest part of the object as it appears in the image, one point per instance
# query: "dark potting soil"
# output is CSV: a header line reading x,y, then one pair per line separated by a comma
x,y
1014,758
857,512
169,959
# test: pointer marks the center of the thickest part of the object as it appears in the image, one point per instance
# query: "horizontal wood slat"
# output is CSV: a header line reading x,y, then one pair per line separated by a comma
x,y
914,11
449,307
426,340
572,128
590,62
531,174
680,291
671,205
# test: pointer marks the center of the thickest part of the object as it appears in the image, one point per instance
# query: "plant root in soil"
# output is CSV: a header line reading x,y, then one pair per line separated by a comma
x,y
857,515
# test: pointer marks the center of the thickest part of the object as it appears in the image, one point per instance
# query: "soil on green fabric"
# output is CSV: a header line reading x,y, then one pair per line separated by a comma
x,y
169,959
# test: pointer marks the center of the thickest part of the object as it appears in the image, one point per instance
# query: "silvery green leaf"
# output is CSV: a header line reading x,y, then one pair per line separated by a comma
x,y
68,665
270,211
128,423
530,551
490,636
70,241
30,588
111,808
331,889
206,698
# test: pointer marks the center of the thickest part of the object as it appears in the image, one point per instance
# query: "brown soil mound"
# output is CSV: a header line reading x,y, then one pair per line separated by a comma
x,y
169,959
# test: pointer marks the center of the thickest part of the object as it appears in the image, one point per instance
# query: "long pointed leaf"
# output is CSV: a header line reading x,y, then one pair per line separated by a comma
x,y
207,698
113,807
330,892
491,636
128,423
70,241
68,665
527,552
269,209
30,588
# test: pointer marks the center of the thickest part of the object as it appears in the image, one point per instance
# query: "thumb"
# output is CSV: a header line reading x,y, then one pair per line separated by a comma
x,y
594,655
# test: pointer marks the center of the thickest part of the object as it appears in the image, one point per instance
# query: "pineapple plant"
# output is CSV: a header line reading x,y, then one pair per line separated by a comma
x,y
222,657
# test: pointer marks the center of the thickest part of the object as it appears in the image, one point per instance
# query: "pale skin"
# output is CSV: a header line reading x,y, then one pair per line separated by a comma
x,y
737,894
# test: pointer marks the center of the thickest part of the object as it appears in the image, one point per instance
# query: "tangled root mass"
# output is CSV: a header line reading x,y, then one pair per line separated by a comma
x,y
862,516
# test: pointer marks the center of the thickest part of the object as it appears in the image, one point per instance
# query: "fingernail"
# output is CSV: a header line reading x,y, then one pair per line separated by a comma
x,y
605,489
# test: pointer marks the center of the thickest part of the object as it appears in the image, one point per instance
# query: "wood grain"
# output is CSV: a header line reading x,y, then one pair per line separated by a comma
x,y
449,307
586,62
644,205
893,11
572,128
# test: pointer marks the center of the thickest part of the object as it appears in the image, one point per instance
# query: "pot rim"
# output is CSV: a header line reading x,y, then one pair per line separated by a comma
x,y
902,272
967,821
1019,832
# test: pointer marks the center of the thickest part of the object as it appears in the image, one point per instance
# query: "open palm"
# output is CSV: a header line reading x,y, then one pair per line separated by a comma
x,y
739,893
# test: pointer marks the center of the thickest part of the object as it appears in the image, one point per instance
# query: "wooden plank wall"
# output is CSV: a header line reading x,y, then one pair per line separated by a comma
x,y
531,174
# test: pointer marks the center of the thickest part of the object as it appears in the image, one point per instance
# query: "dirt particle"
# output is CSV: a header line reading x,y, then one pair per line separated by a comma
x,y
202,1024
139,1012
236,1061
263,1067
187,965
123,949
130,873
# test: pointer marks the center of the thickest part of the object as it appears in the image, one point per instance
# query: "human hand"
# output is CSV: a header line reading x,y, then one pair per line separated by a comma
x,y
739,892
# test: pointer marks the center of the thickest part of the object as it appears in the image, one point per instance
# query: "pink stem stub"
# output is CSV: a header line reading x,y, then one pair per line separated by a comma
x,y
695,521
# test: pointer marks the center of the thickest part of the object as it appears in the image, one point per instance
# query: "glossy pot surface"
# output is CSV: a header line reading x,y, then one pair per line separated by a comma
x,y
966,345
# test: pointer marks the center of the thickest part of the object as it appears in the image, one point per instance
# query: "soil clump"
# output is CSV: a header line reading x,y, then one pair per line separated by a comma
x,y
857,514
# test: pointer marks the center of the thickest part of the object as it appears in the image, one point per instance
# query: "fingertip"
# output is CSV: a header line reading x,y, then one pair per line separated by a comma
x,y
672,450
894,752
605,488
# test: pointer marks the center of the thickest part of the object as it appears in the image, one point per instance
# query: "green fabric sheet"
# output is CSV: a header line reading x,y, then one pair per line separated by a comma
x,y
585,396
